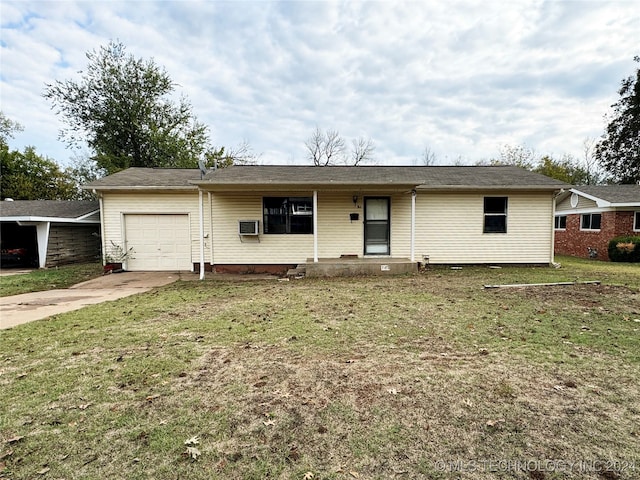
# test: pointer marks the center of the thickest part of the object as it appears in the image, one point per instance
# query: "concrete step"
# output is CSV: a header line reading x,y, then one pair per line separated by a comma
x,y
298,272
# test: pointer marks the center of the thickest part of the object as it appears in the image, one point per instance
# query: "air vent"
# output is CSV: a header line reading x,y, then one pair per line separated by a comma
x,y
248,227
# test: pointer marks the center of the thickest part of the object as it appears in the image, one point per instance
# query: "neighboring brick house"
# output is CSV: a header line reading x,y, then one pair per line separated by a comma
x,y
589,216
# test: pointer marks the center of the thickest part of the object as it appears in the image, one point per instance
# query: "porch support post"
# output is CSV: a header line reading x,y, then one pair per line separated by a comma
x,y
103,240
315,226
209,201
201,212
413,225
42,232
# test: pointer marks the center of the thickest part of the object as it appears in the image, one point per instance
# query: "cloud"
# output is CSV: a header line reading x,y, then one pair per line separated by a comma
x,y
463,78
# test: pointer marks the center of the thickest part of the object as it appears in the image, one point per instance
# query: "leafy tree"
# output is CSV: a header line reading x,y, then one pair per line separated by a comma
x,y
83,170
8,128
566,170
619,149
29,176
122,107
329,148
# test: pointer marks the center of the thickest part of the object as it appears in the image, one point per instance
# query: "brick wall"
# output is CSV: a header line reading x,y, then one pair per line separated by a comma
x,y
576,242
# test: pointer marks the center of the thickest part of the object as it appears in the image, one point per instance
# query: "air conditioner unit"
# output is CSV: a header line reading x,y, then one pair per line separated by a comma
x,y
248,227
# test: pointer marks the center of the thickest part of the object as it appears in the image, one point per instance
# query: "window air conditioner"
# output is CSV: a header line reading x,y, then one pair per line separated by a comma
x,y
248,227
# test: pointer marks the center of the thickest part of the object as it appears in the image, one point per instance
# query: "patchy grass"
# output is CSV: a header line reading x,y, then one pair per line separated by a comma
x,y
48,279
403,377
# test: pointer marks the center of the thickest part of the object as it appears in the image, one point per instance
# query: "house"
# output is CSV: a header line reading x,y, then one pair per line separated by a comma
x,y
271,218
48,233
589,216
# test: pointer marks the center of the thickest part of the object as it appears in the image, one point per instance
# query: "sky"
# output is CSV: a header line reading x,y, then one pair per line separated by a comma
x,y
460,78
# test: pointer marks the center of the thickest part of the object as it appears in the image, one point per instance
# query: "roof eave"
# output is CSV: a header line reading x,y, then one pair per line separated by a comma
x,y
538,188
275,186
138,188
36,218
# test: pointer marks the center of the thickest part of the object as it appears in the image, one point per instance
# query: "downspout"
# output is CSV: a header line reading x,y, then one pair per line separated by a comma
x,y
201,212
553,228
315,226
413,225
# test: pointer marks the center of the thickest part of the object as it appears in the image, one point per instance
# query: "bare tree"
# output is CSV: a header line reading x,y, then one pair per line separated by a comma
x,y
325,148
220,157
362,150
329,148
591,166
428,156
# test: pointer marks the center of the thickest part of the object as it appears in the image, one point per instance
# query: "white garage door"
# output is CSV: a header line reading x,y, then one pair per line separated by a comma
x,y
159,242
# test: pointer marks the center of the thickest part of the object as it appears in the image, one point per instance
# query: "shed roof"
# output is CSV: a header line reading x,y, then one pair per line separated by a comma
x,y
69,209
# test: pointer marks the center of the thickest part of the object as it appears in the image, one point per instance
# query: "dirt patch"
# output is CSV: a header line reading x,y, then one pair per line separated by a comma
x,y
428,406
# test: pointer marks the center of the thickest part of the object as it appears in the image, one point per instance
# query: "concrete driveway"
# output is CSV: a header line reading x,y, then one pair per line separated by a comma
x,y
27,307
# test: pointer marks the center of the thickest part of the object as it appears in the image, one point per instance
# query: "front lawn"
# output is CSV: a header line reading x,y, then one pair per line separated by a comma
x,y
425,376
48,278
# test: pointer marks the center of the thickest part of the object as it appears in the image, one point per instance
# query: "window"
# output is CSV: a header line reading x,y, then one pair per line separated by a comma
x,y
636,221
495,214
591,221
560,222
288,215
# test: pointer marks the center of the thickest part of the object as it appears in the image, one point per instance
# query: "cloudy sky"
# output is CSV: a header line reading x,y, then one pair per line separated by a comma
x,y
462,78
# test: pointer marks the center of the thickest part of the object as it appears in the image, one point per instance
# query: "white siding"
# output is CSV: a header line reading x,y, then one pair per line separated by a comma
x,y
230,248
117,205
583,202
450,229
337,234
449,226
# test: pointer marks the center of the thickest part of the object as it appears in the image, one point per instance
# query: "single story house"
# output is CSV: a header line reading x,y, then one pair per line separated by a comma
x,y
48,233
271,218
589,216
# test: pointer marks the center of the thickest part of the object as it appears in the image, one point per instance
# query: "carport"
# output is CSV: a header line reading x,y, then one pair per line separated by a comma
x,y
46,233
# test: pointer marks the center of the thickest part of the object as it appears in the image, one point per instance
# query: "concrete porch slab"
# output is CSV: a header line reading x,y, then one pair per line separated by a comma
x,y
345,267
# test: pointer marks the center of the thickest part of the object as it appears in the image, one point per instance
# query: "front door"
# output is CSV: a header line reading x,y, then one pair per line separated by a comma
x,y
376,226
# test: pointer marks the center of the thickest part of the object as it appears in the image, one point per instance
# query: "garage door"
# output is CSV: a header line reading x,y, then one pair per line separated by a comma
x,y
159,242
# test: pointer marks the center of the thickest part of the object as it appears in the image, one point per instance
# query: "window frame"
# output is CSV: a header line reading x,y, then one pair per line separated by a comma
x,y
495,214
590,227
289,217
557,223
636,221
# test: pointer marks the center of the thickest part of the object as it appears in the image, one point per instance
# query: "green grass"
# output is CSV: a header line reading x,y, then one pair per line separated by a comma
x,y
48,279
343,378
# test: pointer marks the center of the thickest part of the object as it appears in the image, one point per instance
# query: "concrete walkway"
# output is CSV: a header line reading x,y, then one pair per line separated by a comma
x,y
27,307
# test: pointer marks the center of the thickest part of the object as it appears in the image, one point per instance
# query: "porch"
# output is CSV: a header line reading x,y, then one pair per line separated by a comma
x,y
353,266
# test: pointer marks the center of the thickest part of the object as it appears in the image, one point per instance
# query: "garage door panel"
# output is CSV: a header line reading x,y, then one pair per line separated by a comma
x,y
159,241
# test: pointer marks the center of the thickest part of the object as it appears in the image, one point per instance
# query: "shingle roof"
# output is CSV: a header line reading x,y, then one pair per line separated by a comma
x,y
612,193
421,177
47,208
148,178
425,177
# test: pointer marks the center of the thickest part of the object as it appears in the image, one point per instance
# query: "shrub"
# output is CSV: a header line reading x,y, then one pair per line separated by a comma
x,y
624,249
